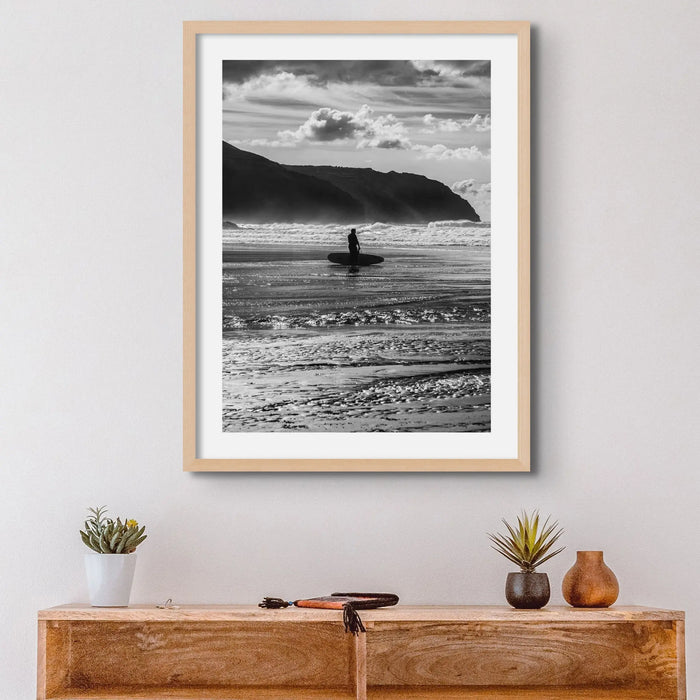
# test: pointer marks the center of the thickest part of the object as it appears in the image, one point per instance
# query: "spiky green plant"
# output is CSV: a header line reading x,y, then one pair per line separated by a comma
x,y
106,536
528,545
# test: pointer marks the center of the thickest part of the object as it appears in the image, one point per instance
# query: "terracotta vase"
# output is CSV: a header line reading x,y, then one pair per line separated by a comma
x,y
590,583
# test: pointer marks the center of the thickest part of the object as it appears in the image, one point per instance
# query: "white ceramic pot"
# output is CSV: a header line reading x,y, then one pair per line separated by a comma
x,y
109,578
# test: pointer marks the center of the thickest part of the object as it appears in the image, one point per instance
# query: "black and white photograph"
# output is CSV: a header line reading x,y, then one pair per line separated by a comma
x,y
356,246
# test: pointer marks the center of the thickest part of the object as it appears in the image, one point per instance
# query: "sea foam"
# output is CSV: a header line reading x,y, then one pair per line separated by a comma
x,y
375,235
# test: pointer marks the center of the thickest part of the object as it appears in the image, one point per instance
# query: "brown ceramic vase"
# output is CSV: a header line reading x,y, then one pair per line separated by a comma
x,y
590,583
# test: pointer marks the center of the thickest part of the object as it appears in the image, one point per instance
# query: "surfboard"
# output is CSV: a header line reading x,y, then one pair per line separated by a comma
x,y
362,259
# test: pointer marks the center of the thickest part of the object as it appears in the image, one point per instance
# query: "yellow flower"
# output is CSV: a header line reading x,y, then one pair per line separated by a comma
x,y
132,523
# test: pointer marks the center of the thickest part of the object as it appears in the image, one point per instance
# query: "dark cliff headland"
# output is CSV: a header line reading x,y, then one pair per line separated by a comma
x,y
256,189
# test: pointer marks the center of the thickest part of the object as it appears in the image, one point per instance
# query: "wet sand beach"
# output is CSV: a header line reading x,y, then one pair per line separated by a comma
x,y
402,346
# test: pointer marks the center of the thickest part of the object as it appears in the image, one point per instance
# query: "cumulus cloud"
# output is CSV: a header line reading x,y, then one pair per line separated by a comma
x,y
479,195
477,122
278,87
384,131
439,151
328,124
368,130
364,127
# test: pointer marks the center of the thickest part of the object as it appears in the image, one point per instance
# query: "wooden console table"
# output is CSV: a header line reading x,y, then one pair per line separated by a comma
x,y
241,652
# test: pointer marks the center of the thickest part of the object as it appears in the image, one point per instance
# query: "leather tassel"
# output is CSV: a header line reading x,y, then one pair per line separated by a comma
x,y
352,620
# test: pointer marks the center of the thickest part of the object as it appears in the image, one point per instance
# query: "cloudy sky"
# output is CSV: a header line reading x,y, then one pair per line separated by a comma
x,y
426,117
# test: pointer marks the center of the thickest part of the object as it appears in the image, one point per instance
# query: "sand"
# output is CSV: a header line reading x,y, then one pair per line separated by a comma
x,y
402,346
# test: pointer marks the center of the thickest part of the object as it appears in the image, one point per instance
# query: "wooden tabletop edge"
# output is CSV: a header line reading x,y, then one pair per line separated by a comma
x,y
400,613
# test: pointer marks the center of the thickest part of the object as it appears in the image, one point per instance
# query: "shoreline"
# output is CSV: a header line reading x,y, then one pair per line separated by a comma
x,y
275,252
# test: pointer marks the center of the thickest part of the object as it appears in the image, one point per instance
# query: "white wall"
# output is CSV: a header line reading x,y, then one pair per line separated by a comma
x,y
90,356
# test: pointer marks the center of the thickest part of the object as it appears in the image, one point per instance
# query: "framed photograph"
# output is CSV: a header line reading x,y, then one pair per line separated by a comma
x,y
356,246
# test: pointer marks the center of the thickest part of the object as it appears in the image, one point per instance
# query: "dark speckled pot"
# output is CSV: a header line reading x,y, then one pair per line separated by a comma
x,y
527,591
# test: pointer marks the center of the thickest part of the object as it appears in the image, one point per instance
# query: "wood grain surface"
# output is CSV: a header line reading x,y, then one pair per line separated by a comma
x,y
358,666
53,658
209,653
409,652
398,613
444,693
500,693
515,654
205,693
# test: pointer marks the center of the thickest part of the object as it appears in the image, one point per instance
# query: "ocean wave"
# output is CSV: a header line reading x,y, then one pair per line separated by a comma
x,y
360,317
463,223
374,235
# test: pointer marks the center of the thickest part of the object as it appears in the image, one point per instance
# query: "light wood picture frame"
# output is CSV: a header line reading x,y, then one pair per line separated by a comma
x,y
257,78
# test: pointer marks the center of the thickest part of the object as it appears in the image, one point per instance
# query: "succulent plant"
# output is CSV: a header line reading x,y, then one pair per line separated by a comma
x,y
528,545
106,536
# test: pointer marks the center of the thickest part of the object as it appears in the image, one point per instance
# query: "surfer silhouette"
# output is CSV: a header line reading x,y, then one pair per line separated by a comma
x,y
354,247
